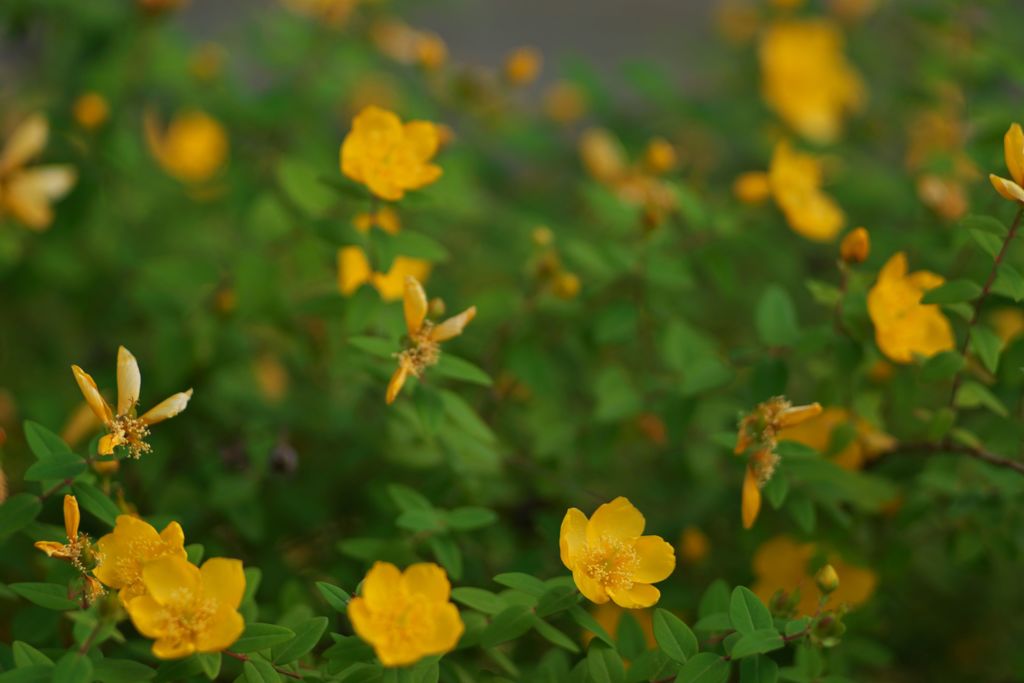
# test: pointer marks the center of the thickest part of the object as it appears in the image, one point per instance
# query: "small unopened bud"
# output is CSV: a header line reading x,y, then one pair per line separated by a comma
x,y
523,65
856,246
660,156
827,579
566,285
90,110
436,307
542,236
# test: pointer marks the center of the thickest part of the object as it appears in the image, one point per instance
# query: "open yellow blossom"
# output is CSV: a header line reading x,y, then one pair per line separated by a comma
x,y
125,427
387,156
129,547
806,78
611,559
759,430
425,337
78,543
27,193
188,609
522,65
406,615
783,564
1013,151
354,269
90,110
818,432
192,149
904,327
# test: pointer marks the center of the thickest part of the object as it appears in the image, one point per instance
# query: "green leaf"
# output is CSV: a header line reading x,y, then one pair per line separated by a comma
x,y
421,520
262,636
18,512
756,643
463,415
210,663
470,518
304,188
49,595
307,635
447,553
705,667
715,599
96,502
417,245
26,655
974,395
604,664
259,670
524,583
1009,282
747,612
942,366
457,368
987,224
586,621
375,346
408,499
508,624
557,599
194,552
987,344
776,318
674,637
758,670
952,292
122,671
36,673
73,668
990,244
479,599
718,621
43,443
554,636
335,597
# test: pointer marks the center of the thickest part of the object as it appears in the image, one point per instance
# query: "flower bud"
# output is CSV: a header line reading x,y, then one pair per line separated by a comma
x,y
90,110
566,285
752,188
523,65
827,579
856,246
660,156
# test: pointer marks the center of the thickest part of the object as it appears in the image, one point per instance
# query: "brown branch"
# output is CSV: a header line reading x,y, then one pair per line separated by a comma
x,y
949,448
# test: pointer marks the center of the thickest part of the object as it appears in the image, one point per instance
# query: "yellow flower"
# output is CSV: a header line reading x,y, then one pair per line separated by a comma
x,y
752,187
856,246
425,337
408,615
795,179
610,558
806,78
817,432
660,156
192,148
1008,323
125,428
431,51
694,545
354,268
604,158
523,65
77,543
131,546
27,193
187,609
904,327
782,564
387,156
91,110
1013,150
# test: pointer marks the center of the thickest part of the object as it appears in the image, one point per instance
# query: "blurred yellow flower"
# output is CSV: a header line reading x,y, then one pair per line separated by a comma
x,y
856,246
694,545
408,615
795,179
431,51
187,609
387,156
124,427
806,78
1013,151
564,102
604,158
129,547
783,564
354,269
904,327
1008,323
90,110
192,149
27,193
610,558
818,432
424,349
660,156
522,65
752,187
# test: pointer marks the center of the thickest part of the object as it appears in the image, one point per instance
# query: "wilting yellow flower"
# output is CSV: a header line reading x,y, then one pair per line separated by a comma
x,y
131,546
760,430
604,158
27,193
817,432
693,545
408,615
1013,151
564,102
192,148
904,327
124,427
425,337
946,196
78,544
91,110
522,65
795,179
856,246
387,156
610,558
408,45
806,78
271,377
782,564
188,609
431,51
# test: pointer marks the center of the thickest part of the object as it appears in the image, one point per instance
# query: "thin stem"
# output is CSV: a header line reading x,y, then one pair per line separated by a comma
x,y
979,302
976,452
56,487
246,658
87,643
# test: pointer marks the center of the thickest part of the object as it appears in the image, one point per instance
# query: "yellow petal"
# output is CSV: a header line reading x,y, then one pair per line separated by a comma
x,y
171,580
752,187
381,585
148,616
427,579
92,395
1013,147
107,444
167,648
223,580
751,504
53,549
447,629
125,549
590,588
657,559
453,326
797,414
572,536
30,193
617,519
422,138
414,305
353,269
391,285
129,381
222,630
362,619
396,383
173,535
167,408
72,517
25,142
1007,188
639,596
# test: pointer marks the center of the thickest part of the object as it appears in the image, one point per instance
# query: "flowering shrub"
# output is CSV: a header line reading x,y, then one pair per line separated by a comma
x,y
716,384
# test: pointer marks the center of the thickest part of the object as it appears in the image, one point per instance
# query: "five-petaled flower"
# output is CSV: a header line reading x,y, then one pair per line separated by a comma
x,y
131,546
125,428
188,609
610,558
27,193
1013,150
424,348
406,616
387,156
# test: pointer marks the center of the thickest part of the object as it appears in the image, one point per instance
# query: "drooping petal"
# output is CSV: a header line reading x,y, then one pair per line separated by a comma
x,y
751,504
129,381
167,408
72,517
92,394
590,588
53,549
414,305
797,414
30,193
639,596
25,142
572,537
1007,188
172,580
222,630
427,579
453,326
617,519
1013,147
223,580
396,383
657,559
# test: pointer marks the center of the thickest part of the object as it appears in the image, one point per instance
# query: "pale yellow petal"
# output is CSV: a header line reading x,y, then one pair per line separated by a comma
x,y
1013,146
453,326
167,408
751,503
129,381
396,383
572,536
618,519
414,305
72,517
53,549
25,142
223,580
92,395
657,559
1007,188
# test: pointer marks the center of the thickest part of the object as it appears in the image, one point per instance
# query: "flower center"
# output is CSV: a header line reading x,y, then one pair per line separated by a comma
x,y
611,562
189,616
131,432
405,625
